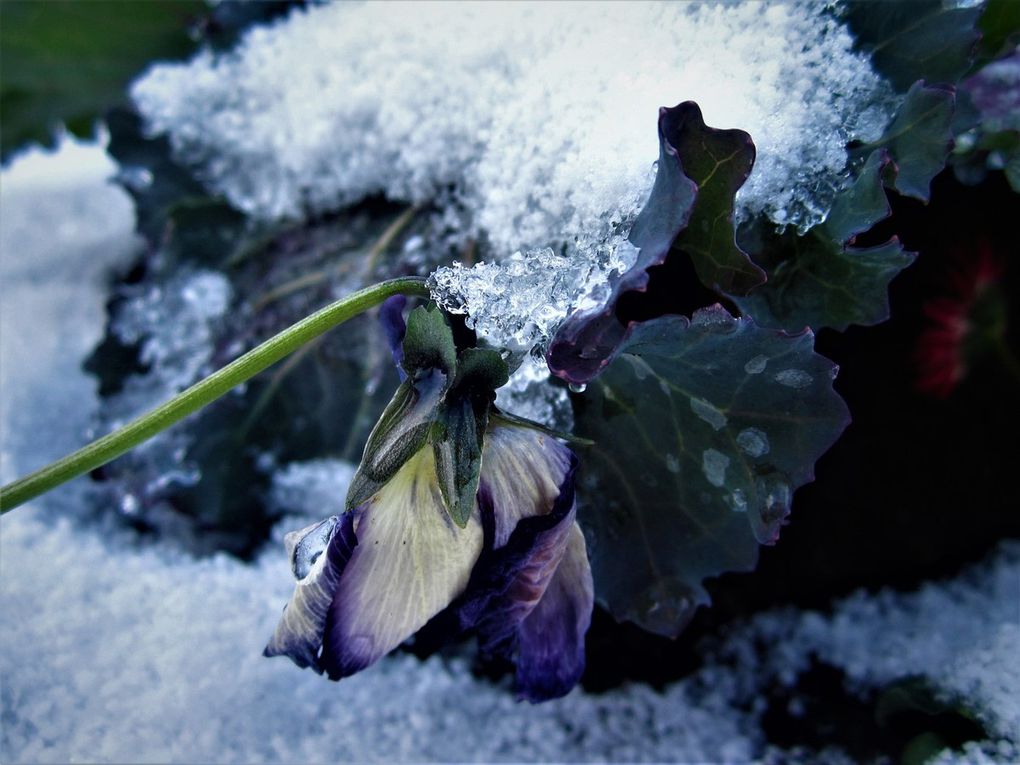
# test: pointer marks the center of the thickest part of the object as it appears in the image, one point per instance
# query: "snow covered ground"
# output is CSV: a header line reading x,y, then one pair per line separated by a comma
x,y
114,650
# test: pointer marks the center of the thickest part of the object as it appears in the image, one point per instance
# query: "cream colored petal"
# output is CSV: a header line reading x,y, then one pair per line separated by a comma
x,y
411,561
522,472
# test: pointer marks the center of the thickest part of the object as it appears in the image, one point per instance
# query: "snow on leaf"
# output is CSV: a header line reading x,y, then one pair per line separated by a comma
x,y
693,496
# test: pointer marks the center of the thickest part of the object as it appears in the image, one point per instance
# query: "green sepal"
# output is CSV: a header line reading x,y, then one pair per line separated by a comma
x,y
428,342
457,439
401,432
459,431
480,369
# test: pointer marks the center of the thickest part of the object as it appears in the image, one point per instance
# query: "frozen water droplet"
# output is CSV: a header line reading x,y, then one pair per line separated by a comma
x,y
753,442
738,502
794,378
672,463
714,464
756,365
577,387
708,412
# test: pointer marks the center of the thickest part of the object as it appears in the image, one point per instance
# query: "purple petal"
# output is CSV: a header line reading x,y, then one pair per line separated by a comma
x,y
550,643
520,602
391,316
319,554
410,563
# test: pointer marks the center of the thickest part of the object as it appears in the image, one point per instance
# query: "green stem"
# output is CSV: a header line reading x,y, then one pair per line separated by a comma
x,y
112,445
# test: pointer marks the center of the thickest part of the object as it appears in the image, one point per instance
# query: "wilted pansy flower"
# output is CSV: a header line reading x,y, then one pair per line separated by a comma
x,y
456,510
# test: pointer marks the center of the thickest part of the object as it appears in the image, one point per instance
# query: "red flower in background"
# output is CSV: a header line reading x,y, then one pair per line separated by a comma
x,y
962,326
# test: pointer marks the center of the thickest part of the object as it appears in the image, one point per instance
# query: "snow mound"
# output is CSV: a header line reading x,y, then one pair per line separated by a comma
x,y
540,119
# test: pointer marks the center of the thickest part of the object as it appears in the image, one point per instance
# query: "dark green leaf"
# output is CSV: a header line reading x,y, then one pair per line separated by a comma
x,y
67,61
401,432
919,139
910,40
864,204
814,279
428,342
1000,28
718,161
703,433
814,282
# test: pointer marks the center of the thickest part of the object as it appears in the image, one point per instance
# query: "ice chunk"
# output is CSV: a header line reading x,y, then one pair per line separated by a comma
x,y
519,304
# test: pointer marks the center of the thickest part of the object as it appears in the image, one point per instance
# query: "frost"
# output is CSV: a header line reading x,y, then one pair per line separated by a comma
x,y
753,442
528,126
173,324
756,365
794,378
714,464
708,412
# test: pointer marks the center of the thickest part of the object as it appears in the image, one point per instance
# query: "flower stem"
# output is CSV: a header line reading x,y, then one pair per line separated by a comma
x,y
144,427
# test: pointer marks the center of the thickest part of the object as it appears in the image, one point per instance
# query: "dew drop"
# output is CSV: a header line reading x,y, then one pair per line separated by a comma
x,y
672,463
577,387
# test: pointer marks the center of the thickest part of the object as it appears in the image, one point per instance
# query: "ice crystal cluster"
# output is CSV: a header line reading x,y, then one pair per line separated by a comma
x,y
536,122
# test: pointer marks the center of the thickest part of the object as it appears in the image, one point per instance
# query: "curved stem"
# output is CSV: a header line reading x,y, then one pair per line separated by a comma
x,y
144,427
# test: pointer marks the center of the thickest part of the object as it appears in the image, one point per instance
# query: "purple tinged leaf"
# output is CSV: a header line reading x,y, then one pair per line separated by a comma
x,y
690,207
911,39
865,203
718,161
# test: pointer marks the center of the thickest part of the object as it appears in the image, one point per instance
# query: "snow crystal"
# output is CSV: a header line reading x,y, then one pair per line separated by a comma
x,y
753,442
536,123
